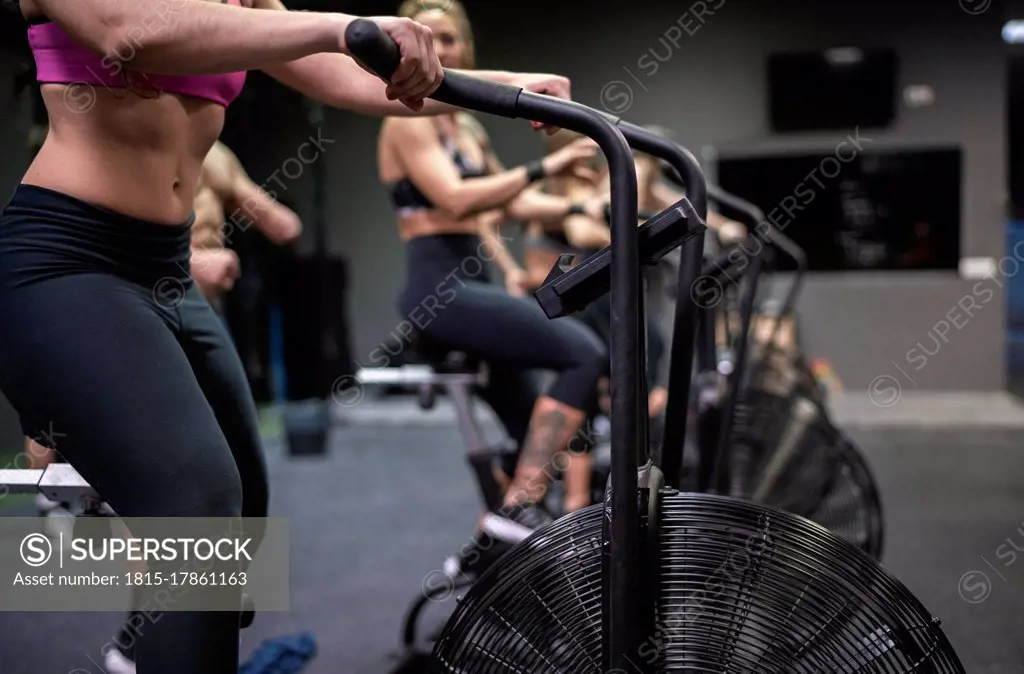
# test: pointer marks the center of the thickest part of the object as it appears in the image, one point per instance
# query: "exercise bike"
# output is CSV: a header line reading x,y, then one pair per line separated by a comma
x,y
758,406
611,588
775,441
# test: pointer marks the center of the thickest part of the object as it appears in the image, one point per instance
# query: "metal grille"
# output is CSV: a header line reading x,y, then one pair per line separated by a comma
x,y
744,589
785,452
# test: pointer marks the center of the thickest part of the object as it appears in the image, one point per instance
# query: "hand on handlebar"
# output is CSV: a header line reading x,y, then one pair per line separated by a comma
x,y
548,85
419,73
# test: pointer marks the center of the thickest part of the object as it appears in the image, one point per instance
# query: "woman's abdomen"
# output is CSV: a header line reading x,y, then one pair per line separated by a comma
x,y
125,152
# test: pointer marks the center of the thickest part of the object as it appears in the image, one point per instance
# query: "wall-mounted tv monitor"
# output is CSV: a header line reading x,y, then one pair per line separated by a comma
x,y
833,89
896,210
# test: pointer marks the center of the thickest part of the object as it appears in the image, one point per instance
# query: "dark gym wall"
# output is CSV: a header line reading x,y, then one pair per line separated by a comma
x,y
712,92
14,123
14,155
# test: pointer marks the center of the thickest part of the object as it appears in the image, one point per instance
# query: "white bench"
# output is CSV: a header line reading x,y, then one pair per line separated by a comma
x,y
57,482
459,377
456,376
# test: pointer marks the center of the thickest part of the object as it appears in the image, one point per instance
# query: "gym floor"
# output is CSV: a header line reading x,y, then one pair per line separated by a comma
x,y
392,499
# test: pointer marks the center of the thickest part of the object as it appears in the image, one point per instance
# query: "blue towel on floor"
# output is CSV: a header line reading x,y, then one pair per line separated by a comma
x,y
283,655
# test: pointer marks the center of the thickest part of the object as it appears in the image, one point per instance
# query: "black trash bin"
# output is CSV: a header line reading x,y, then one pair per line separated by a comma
x,y
306,426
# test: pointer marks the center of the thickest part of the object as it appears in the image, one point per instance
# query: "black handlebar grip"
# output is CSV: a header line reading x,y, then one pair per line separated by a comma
x,y
368,42
473,93
378,51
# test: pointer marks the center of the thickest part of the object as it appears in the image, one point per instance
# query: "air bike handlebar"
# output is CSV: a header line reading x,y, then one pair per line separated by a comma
x,y
727,269
754,218
567,290
375,49
683,335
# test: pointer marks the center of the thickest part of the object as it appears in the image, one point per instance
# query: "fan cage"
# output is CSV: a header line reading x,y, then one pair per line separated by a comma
x,y
742,588
786,453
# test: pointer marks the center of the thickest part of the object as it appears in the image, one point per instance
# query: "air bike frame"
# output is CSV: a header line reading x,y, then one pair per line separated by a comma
x,y
717,404
628,615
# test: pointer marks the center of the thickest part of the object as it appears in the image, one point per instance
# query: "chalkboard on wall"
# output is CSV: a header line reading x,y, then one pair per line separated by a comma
x,y
893,210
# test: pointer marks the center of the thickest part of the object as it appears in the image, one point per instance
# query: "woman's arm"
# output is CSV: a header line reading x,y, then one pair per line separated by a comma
x,y
490,225
728,230
717,221
516,279
584,232
550,209
534,204
428,165
278,223
338,81
194,37
490,222
197,37
247,202
432,170
538,261
664,196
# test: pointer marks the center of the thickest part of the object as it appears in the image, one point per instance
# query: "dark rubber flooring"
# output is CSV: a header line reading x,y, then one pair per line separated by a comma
x,y
386,506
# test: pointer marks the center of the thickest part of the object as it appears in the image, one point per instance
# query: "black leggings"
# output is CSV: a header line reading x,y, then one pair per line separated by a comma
x,y
108,347
598,316
450,300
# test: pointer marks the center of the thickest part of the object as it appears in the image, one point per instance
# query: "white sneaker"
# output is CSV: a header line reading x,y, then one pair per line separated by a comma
x,y
59,521
45,505
116,663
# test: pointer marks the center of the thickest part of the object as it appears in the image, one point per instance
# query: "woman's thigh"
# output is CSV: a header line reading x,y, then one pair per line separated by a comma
x,y
218,369
488,323
92,362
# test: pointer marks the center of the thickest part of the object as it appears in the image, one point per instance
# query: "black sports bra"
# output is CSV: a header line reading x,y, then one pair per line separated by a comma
x,y
407,198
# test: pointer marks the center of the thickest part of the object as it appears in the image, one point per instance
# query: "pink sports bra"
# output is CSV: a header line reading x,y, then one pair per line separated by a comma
x,y
61,60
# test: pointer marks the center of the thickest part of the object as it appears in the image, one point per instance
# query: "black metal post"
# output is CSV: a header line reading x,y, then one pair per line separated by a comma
x,y
720,475
622,547
684,326
708,411
622,612
318,171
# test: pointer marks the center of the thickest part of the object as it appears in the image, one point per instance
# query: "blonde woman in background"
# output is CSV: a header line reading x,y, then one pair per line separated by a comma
x,y
449,192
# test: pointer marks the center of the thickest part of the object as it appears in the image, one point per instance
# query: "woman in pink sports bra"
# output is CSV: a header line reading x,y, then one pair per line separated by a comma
x,y
107,344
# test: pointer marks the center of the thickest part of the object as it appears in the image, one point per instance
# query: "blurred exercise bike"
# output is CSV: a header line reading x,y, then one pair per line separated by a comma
x,y
775,441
